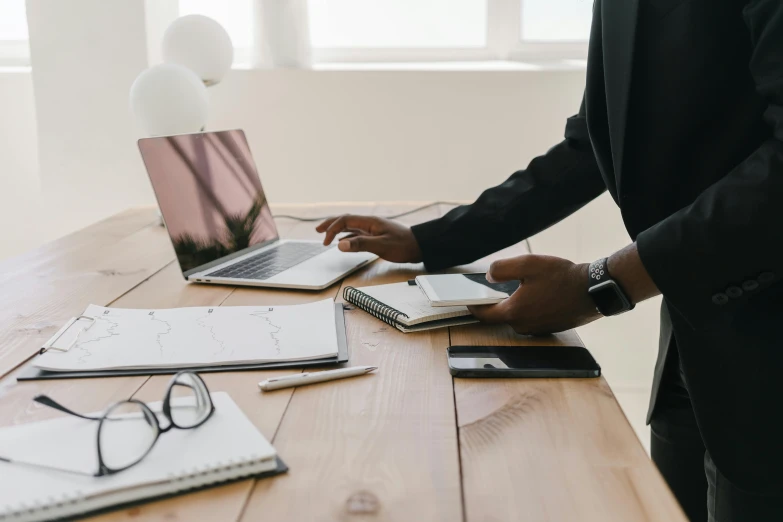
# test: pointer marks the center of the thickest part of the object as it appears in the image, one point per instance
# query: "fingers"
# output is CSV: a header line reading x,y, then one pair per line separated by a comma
x,y
346,223
361,244
494,314
512,269
325,224
336,226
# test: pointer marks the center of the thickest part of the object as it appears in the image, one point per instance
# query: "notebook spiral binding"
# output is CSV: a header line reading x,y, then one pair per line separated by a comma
x,y
372,306
22,508
189,473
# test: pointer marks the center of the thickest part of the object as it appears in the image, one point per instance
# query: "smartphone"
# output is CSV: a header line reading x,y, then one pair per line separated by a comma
x,y
522,361
464,289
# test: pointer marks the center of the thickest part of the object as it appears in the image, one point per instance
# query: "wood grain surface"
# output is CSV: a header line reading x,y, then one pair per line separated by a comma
x,y
408,443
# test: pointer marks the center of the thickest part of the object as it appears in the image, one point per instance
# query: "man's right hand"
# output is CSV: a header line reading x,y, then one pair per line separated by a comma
x,y
383,237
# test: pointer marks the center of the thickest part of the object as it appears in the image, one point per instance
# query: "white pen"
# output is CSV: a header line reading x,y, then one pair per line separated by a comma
x,y
300,379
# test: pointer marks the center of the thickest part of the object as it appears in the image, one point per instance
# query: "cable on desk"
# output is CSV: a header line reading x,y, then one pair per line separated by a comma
x,y
394,216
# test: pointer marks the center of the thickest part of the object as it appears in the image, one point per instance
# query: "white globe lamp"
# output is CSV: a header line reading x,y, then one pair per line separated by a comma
x,y
169,99
200,44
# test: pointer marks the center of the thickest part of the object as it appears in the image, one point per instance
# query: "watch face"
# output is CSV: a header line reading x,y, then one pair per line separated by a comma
x,y
609,299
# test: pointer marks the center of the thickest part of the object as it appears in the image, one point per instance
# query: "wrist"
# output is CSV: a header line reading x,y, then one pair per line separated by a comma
x,y
414,253
580,272
580,275
625,267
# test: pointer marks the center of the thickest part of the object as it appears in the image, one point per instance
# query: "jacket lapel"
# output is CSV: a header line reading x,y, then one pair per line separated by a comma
x,y
619,31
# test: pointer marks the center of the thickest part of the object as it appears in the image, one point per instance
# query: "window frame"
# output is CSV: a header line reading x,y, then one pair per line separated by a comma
x,y
504,42
14,53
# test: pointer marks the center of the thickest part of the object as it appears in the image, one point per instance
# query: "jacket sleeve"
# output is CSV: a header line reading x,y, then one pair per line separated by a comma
x,y
711,256
552,187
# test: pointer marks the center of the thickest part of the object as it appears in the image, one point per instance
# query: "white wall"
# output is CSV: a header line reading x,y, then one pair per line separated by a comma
x,y
18,148
85,55
18,164
340,135
316,135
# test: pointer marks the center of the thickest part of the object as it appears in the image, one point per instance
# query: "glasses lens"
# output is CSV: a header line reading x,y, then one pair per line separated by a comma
x,y
126,434
190,400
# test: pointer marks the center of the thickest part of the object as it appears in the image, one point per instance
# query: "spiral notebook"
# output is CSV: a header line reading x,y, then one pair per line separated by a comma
x,y
406,307
225,448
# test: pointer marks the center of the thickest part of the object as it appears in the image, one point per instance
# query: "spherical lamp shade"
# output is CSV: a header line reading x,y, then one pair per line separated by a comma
x,y
200,44
169,99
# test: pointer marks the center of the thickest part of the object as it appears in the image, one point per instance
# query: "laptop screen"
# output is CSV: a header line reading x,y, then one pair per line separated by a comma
x,y
209,194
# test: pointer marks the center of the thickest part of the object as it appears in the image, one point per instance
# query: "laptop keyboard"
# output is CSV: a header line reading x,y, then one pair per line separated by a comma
x,y
272,261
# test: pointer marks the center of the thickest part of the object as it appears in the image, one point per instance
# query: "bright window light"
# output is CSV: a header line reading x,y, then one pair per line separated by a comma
x,y
556,20
13,20
398,23
235,15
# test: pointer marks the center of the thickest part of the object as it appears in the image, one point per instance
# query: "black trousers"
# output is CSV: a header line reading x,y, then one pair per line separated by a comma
x,y
678,450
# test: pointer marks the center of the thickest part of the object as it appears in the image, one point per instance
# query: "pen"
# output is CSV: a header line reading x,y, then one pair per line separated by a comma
x,y
300,379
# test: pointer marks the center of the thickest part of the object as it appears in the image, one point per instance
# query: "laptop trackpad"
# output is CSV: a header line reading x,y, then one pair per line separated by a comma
x,y
322,268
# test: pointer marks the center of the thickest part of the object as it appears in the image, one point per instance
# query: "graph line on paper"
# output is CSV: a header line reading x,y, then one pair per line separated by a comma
x,y
110,332
159,335
211,327
264,314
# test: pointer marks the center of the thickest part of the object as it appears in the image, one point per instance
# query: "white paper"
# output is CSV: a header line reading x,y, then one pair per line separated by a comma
x,y
227,440
198,336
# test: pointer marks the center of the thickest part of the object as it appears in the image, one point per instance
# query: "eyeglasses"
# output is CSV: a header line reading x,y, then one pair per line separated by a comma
x,y
129,429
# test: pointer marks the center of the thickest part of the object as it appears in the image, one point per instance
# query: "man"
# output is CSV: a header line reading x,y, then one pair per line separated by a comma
x,y
682,121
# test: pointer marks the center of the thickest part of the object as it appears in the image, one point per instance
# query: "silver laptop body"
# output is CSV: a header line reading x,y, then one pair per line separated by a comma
x,y
218,218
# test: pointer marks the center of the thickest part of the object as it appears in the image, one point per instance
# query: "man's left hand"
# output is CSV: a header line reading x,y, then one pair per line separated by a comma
x,y
552,296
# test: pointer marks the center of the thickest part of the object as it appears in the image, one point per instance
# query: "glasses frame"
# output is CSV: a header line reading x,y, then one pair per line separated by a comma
x,y
152,418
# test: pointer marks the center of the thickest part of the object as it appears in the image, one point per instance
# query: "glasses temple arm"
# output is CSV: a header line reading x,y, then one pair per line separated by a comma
x,y
48,401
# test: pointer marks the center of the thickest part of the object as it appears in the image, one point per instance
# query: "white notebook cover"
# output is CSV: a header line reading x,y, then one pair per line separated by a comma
x,y
226,447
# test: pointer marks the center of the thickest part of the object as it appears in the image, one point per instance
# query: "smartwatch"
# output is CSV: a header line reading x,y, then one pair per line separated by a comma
x,y
607,294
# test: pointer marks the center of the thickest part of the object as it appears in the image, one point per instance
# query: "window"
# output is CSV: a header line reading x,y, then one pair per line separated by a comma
x,y
13,20
556,20
398,23
422,30
14,50
236,16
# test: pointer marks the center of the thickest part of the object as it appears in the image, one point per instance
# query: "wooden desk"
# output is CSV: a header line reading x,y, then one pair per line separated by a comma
x,y
410,443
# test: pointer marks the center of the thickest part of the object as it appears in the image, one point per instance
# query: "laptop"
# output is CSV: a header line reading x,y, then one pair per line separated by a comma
x,y
218,217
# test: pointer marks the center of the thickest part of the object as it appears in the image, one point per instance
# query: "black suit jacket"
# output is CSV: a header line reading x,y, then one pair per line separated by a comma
x,y
682,121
